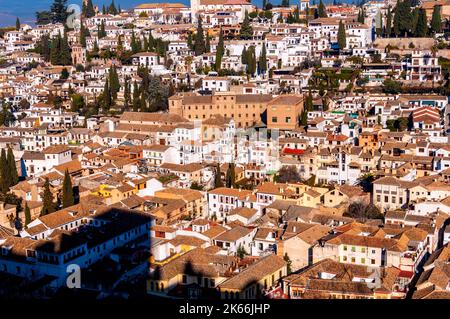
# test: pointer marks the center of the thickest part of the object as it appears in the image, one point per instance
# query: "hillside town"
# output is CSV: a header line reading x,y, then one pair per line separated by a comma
x,y
227,150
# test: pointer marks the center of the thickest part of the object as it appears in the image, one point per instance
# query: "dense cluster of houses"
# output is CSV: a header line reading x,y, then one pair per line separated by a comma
x,y
248,185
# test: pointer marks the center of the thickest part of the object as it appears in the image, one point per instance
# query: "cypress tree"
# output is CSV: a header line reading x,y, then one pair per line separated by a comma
x,y
263,59
220,50
199,45
12,168
244,58
189,42
27,214
88,9
48,206
342,39
84,33
151,42
361,17
231,176
114,84
207,45
304,118
403,18
4,171
422,24
309,102
436,22
65,55
379,29
322,10
136,97
217,177
251,60
112,8
17,24
106,96
415,20
67,191
389,22
127,93
102,32
55,50
135,44
246,28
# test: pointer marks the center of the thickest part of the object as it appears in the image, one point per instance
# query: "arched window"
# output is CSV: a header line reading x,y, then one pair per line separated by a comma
x,y
226,294
152,286
162,287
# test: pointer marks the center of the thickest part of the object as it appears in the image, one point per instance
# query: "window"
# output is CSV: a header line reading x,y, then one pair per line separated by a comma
x,y
184,279
274,119
353,249
288,119
363,260
372,261
353,259
345,248
363,249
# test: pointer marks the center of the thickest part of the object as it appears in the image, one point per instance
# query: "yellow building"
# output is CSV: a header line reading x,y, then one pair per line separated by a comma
x,y
255,279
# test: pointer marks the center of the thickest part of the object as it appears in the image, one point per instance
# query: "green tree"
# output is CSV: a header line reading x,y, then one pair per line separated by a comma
x,y
251,60
288,262
322,10
127,93
6,115
240,252
88,10
389,22
361,15
112,8
59,11
67,191
421,29
136,97
199,45
244,56
106,97
4,173
220,51
189,41
64,74
27,214
12,168
84,33
263,59
436,21
114,83
342,38
230,177
379,29
43,47
77,103
43,18
246,28
217,177
101,33
304,118
48,206
17,24
207,44
403,18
